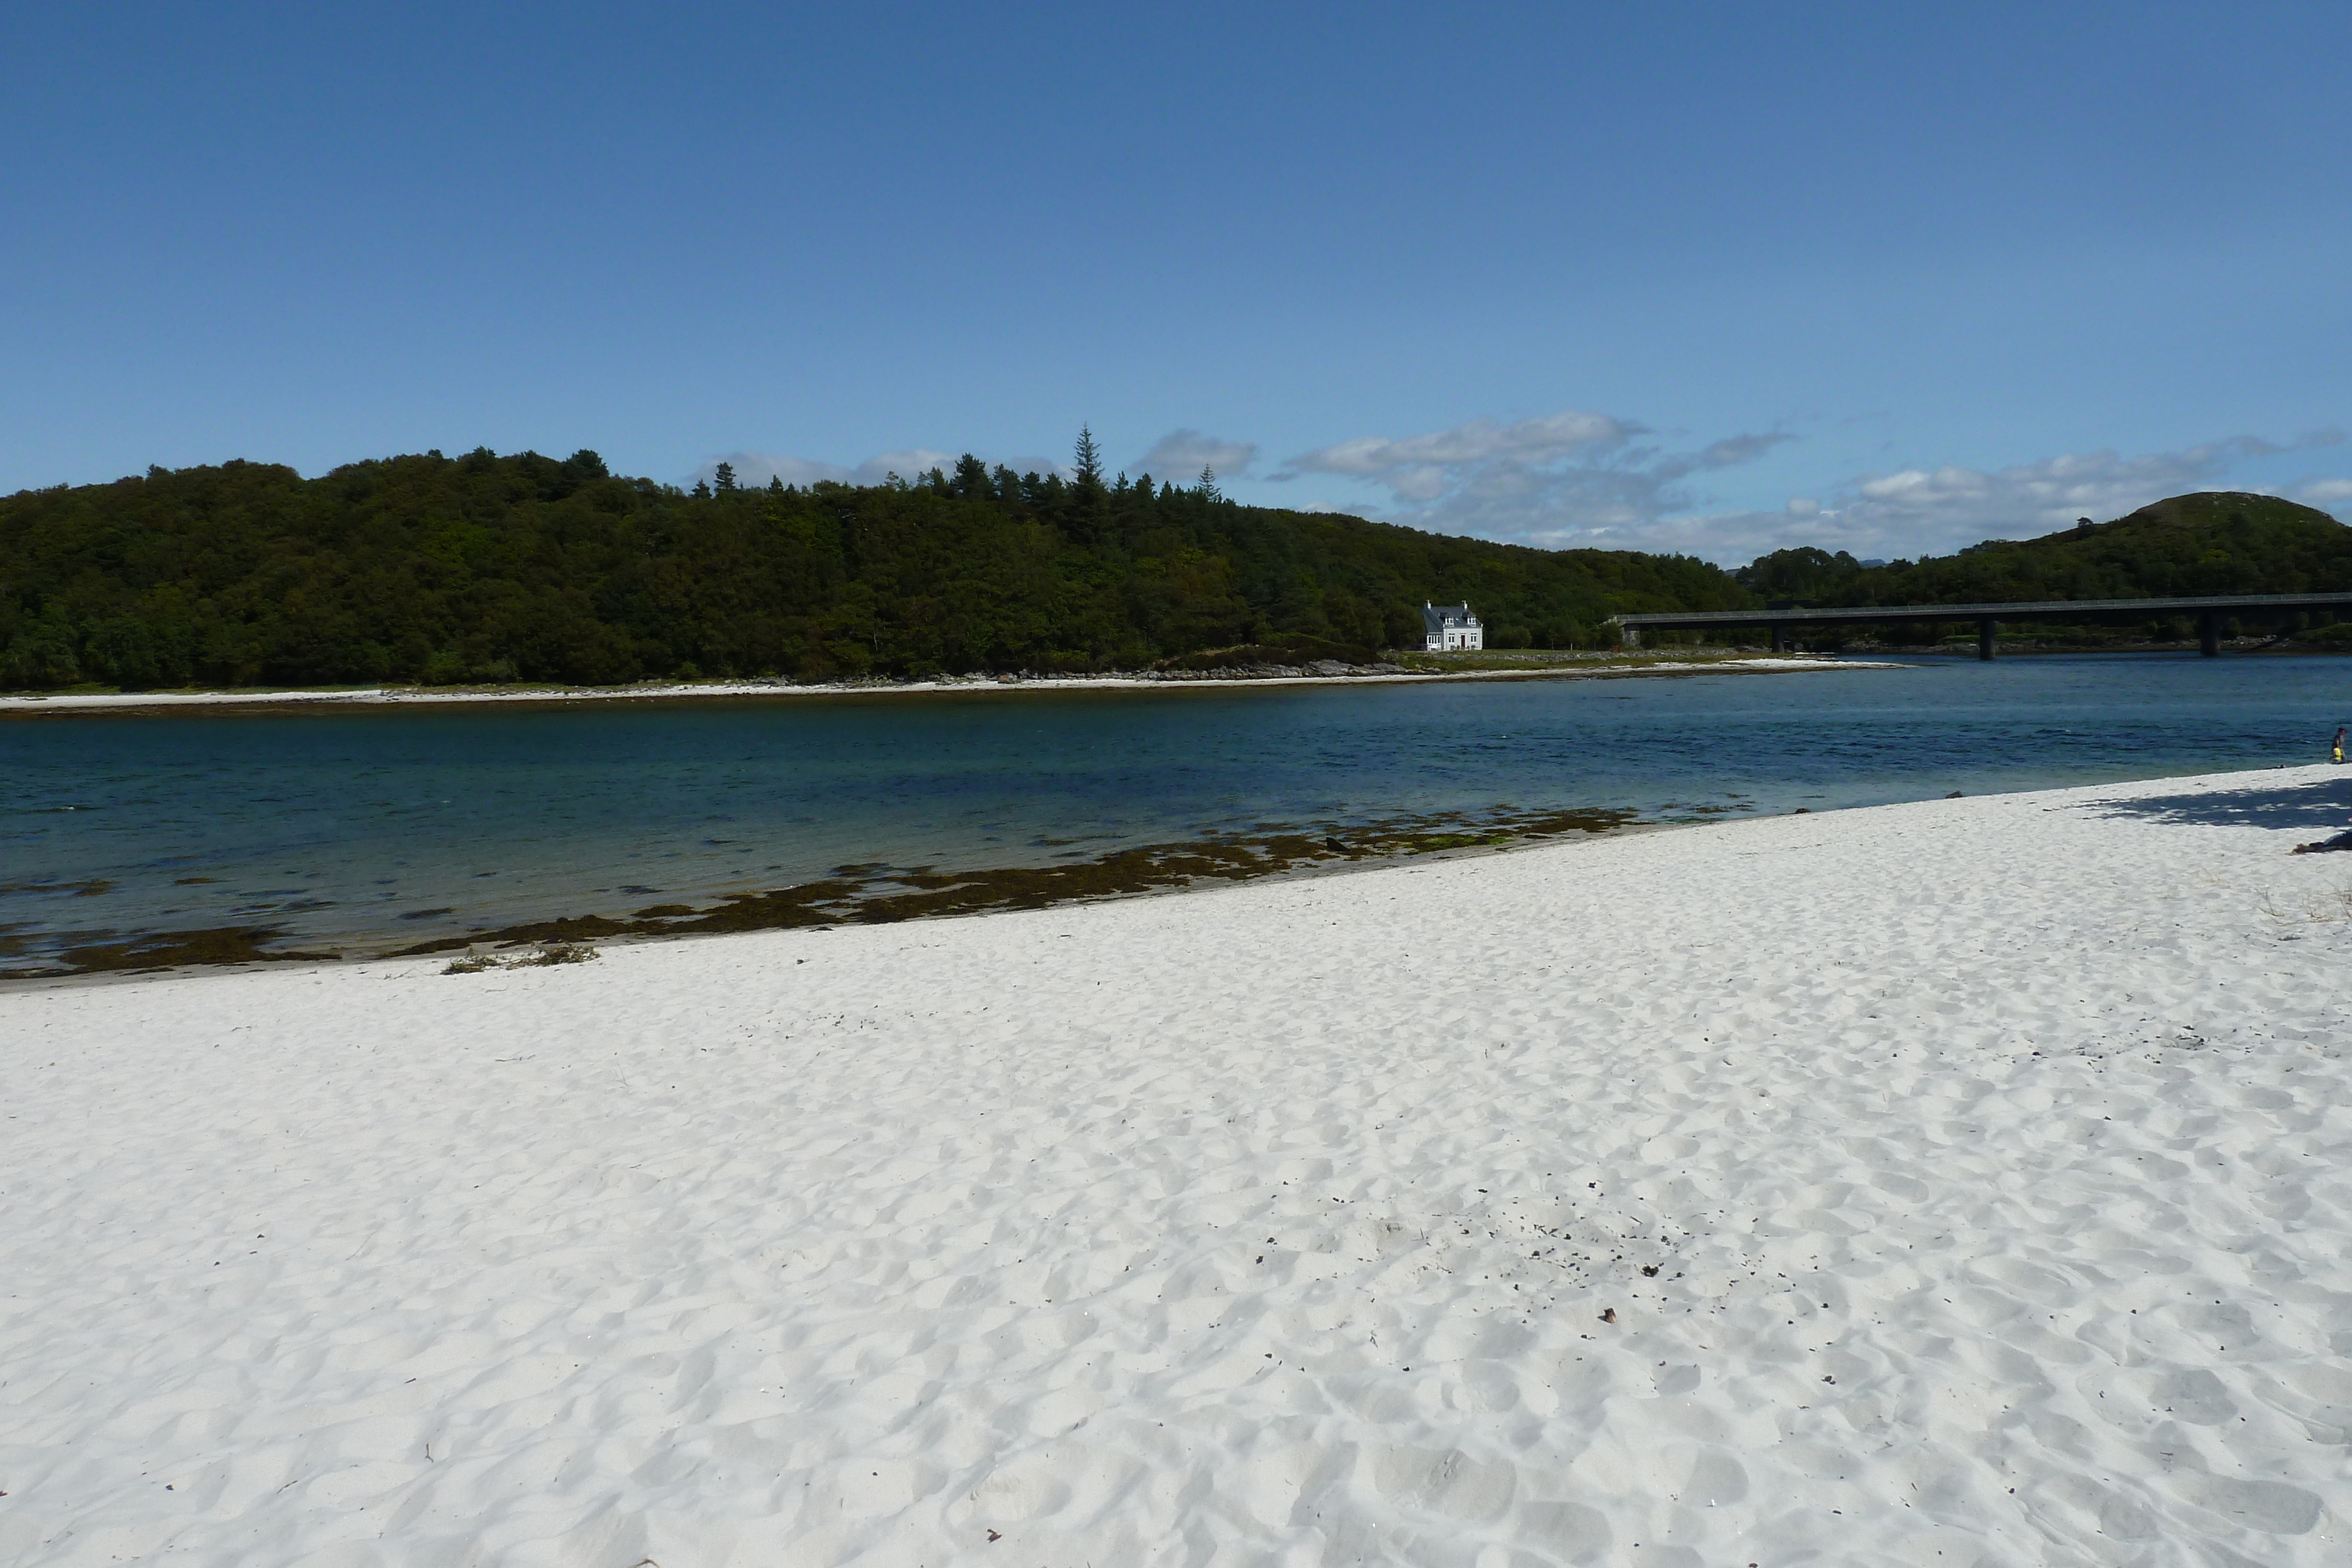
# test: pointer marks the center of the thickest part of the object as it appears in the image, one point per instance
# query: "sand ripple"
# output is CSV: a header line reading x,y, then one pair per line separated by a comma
x,y
1960,1182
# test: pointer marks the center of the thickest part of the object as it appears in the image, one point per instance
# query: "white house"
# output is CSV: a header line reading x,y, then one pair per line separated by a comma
x,y
1450,628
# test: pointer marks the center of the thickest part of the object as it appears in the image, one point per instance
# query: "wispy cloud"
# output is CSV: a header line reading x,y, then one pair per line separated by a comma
x,y
1915,511
755,468
1544,480
911,464
1182,453
1591,479
758,467
1419,468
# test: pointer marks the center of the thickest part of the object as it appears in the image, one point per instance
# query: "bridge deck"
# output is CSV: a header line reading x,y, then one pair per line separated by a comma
x,y
1988,617
2035,610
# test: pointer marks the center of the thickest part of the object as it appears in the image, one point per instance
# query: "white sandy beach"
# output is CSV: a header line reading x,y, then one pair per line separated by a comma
x,y
1968,1182
670,690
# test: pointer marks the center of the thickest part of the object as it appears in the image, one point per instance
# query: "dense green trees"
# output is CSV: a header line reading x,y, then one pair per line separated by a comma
x,y
485,568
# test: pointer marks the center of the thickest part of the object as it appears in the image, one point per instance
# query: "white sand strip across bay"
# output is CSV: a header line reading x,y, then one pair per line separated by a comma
x,y
1954,1183
1613,668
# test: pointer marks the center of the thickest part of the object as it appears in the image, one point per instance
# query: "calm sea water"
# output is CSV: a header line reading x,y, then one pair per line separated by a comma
x,y
368,829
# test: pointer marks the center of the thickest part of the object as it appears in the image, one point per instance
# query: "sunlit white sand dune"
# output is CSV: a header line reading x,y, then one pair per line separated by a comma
x,y
1954,1183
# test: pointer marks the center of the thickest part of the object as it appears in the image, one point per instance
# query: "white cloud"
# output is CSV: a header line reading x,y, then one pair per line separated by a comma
x,y
1564,478
754,469
1038,465
1933,511
1589,479
2037,497
911,464
1180,455
1419,457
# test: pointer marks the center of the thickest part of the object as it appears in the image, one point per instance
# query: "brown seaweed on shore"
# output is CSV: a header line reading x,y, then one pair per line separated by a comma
x,y
172,950
875,895
866,894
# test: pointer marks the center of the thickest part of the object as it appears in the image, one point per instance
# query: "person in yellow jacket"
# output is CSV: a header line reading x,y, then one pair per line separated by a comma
x,y
2339,743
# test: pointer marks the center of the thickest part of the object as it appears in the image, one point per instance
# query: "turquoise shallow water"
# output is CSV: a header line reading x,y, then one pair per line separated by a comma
x,y
369,827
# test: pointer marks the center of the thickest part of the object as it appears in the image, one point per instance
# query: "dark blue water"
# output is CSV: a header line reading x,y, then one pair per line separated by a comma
x,y
378,827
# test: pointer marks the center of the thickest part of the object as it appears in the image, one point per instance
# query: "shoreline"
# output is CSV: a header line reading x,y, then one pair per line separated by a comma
x,y
1865,656
21,702
866,895
487,944
1496,1204
880,894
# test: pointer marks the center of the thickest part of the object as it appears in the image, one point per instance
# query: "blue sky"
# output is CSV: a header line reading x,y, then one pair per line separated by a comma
x,y
1712,279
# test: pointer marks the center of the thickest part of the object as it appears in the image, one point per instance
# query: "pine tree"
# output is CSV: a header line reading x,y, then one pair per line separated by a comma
x,y
1209,483
971,477
1089,461
726,477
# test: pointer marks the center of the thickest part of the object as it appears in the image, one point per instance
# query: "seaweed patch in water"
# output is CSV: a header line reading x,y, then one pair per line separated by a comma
x,y
870,893
170,949
78,889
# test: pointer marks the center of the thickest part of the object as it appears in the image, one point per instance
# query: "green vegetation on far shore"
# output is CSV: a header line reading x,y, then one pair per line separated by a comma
x,y
520,567
488,569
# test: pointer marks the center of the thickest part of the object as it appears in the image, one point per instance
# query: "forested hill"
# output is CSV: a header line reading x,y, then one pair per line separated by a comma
x,y
488,567
2216,541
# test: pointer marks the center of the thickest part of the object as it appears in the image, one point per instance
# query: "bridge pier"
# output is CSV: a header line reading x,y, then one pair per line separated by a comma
x,y
1779,638
2208,634
1986,632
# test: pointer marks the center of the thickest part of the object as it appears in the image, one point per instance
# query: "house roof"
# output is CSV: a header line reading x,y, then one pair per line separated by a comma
x,y
1437,617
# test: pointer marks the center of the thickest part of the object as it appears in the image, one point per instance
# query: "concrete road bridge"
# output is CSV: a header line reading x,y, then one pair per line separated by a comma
x,y
2209,613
